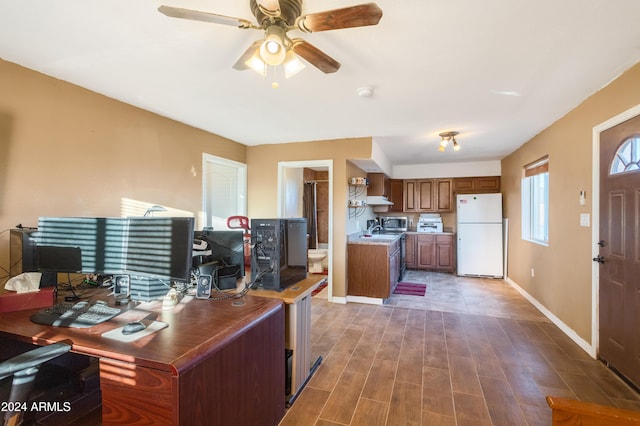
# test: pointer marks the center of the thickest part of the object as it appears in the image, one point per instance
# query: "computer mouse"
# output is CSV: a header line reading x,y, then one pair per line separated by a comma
x,y
133,327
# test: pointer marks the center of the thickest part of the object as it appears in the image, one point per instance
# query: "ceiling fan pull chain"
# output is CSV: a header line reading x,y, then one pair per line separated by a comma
x,y
275,83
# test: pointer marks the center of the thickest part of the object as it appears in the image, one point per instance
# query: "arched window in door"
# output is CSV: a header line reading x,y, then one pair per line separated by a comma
x,y
627,157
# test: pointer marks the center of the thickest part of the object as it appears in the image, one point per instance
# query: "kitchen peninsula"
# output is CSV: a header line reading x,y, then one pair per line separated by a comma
x,y
374,264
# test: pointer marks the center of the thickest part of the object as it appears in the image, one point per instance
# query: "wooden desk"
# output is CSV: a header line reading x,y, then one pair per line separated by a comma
x,y
218,362
297,298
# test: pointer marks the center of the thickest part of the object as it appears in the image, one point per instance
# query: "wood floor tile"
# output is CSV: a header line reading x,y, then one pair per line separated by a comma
x,y
502,405
348,341
362,357
328,374
410,365
437,396
370,413
464,377
585,389
435,419
472,351
342,402
404,408
379,384
306,408
471,410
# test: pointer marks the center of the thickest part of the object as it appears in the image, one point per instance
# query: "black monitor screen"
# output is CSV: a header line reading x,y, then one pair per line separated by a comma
x,y
156,246
58,259
160,247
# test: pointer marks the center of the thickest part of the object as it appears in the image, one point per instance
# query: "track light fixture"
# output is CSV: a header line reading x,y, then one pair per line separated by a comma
x,y
446,138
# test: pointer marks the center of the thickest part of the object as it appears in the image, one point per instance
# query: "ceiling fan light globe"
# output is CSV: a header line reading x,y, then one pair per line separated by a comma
x,y
256,63
272,52
441,148
292,65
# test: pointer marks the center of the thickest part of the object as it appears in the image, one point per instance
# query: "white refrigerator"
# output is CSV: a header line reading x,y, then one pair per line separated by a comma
x,y
479,232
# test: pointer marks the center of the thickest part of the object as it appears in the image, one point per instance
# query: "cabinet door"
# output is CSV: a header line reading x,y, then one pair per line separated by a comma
x,y
464,185
488,184
412,251
426,252
394,270
377,184
424,196
445,259
396,195
443,195
410,201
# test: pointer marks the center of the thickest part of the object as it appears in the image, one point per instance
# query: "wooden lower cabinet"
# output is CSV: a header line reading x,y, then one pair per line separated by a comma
x,y
433,251
411,257
373,269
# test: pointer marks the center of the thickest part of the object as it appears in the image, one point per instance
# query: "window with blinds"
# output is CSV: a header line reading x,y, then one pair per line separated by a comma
x,y
535,201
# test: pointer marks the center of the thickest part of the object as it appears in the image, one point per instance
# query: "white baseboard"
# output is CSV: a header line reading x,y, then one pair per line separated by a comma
x,y
340,300
364,299
588,348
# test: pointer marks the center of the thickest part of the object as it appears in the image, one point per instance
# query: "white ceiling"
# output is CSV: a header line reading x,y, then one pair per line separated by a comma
x,y
497,71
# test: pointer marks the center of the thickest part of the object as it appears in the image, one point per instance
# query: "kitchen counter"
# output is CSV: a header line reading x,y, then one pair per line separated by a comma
x,y
375,239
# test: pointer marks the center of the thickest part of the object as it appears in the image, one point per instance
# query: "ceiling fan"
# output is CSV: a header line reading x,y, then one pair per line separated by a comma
x,y
276,18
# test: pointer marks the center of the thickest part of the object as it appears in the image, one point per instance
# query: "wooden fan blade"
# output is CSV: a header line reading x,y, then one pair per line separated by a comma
x,y
314,56
348,17
194,15
241,64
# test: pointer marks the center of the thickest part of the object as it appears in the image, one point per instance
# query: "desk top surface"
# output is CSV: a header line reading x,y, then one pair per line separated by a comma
x,y
196,327
295,292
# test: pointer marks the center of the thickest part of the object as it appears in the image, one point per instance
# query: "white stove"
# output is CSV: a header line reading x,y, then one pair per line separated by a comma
x,y
429,222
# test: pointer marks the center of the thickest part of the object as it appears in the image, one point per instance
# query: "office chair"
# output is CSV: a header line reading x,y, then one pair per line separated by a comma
x,y
24,368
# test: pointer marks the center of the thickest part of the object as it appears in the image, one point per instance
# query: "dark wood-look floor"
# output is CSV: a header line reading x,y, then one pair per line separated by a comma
x,y
472,351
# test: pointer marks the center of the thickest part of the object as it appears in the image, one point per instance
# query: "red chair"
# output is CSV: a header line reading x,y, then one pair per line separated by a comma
x,y
242,222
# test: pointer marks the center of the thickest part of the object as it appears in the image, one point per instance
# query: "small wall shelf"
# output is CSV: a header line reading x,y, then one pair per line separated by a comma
x,y
357,193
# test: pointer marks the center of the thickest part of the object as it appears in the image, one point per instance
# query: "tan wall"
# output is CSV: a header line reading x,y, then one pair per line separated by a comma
x,y
262,165
67,151
563,277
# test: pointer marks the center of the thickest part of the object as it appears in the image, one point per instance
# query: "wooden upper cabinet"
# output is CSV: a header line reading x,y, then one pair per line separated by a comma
x,y
443,195
476,185
427,195
410,202
424,195
396,195
378,184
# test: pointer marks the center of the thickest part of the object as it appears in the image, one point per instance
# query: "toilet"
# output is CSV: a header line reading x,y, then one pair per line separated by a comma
x,y
316,258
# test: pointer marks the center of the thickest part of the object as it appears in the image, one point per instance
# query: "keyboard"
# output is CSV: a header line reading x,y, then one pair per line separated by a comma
x,y
78,315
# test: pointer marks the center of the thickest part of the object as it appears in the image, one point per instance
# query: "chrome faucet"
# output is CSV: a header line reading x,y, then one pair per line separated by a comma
x,y
373,228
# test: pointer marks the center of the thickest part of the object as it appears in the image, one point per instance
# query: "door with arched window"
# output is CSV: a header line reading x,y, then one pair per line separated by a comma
x,y
619,252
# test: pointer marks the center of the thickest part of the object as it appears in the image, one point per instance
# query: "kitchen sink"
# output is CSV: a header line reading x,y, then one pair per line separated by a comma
x,y
379,237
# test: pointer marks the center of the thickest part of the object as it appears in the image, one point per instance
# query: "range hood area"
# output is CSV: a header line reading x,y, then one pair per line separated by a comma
x,y
378,200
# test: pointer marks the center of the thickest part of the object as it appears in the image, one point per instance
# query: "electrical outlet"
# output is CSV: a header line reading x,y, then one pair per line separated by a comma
x,y
533,273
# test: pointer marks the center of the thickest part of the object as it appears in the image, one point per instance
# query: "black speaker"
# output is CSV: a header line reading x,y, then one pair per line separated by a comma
x,y
203,290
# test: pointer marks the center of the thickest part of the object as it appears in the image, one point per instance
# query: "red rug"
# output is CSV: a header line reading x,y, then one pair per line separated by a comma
x,y
319,288
412,289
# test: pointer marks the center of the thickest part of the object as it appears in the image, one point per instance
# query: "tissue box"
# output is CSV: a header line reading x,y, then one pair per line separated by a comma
x,y
12,301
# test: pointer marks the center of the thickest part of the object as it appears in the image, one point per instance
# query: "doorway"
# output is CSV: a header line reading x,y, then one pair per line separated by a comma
x,y
291,180
616,241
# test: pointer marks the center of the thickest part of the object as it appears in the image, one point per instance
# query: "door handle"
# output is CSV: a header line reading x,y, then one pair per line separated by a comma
x,y
599,259
601,243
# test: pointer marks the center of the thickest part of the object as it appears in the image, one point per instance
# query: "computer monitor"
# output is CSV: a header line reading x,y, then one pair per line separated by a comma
x,y
159,247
